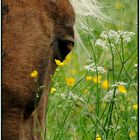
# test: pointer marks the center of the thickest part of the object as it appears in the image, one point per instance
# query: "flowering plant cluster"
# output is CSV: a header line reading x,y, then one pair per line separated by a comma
x,y
113,39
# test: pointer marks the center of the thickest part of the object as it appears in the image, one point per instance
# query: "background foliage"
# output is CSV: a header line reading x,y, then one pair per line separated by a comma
x,y
94,91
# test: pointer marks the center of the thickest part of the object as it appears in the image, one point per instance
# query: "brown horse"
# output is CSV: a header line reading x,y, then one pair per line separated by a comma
x,y
34,33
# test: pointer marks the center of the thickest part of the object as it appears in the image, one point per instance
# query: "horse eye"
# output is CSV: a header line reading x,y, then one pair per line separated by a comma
x,y
62,47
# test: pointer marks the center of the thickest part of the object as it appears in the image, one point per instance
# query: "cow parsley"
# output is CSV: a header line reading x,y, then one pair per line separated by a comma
x,y
93,68
114,38
71,96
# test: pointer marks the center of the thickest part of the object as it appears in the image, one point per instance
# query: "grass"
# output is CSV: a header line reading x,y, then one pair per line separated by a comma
x,y
82,106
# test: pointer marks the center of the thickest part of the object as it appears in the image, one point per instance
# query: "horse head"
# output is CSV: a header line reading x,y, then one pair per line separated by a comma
x,y
35,33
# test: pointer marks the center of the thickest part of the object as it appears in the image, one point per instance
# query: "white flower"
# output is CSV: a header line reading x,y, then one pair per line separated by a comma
x,y
126,36
63,95
116,37
89,60
119,83
101,69
104,35
102,43
109,34
87,67
93,68
71,96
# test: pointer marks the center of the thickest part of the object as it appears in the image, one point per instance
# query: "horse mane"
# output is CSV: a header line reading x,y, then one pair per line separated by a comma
x,y
88,8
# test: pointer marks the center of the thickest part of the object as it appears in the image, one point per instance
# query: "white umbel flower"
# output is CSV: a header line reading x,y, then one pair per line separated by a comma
x,y
119,83
93,68
102,43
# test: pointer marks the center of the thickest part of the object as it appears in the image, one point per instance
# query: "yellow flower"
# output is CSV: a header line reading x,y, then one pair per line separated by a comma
x,y
70,81
59,63
122,89
98,137
97,79
52,90
135,106
105,84
88,78
67,59
132,134
34,74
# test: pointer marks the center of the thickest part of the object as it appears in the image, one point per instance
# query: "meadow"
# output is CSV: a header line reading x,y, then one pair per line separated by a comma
x,y
94,94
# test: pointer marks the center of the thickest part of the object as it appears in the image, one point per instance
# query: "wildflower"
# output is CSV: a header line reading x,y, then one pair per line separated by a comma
x,y
126,36
132,134
102,43
88,78
119,83
92,67
135,106
89,60
34,74
71,96
116,38
105,84
97,79
70,81
87,67
98,137
122,89
59,63
67,59
52,90
63,95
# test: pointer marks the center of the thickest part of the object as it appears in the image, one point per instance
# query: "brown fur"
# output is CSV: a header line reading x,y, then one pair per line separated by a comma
x,y
33,35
